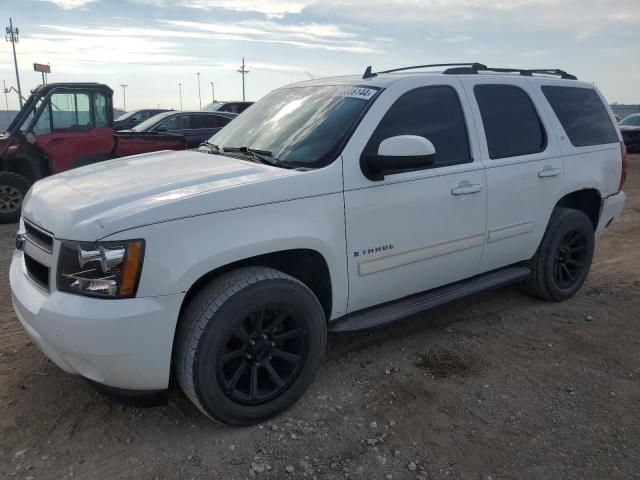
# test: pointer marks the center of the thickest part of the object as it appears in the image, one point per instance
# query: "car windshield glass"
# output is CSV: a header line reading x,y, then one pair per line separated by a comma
x,y
124,116
29,117
299,126
213,107
633,121
150,122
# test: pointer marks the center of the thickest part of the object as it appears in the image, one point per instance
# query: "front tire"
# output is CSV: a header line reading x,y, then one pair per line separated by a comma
x,y
13,188
249,344
562,262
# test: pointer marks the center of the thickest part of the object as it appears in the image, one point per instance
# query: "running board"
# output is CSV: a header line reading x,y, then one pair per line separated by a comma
x,y
390,312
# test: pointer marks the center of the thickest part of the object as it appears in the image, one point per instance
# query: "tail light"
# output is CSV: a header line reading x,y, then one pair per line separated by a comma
x,y
625,165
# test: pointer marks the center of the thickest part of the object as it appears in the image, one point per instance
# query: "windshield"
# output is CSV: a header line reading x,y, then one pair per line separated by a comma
x,y
299,126
150,122
213,107
32,109
632,120
124,116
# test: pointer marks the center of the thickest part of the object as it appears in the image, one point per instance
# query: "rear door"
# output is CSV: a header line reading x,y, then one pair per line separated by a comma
x,y
74,129
523,163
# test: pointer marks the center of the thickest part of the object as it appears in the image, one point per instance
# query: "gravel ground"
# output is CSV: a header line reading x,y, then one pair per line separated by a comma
x,y
499,385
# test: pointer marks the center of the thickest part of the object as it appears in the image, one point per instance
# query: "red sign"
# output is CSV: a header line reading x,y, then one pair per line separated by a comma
x,y
41,67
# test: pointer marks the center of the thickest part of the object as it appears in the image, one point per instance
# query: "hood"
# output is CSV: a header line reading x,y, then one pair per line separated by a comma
x,y
91,202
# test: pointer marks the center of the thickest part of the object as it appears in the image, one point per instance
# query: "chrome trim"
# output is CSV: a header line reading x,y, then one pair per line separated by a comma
x,y
35,241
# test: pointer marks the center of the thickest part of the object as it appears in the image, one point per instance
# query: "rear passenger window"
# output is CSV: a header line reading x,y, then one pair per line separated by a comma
x,y
511,123
582,115
434,113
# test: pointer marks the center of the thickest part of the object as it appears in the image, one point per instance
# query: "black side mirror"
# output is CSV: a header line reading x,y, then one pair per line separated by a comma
x,y
398,154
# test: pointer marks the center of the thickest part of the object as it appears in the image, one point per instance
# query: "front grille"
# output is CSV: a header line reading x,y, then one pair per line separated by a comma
x,y
38,236
37,272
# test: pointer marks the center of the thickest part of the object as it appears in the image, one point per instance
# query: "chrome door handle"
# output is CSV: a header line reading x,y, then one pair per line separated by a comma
x,y
549,172
465,188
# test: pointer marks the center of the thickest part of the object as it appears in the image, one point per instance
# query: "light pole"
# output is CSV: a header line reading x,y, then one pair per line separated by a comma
x,y
199,93
180,92
243,71
12,36
6,91
124,96
213,94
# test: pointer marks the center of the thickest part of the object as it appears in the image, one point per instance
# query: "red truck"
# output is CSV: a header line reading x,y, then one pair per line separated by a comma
x,y
63,126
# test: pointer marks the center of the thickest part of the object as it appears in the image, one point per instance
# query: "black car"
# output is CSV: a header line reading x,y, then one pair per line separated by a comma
x,y
196,127
231,107
630,128
131,119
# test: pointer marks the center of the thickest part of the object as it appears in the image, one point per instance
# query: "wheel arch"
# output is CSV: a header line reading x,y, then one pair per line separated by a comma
x,y
32,167
306,265
587,200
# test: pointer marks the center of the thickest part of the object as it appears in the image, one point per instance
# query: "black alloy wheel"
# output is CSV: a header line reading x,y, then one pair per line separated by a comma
x,y
563,259
570,260
263,356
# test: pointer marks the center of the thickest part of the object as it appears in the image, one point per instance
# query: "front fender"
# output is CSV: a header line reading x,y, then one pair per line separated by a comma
x,y
180,252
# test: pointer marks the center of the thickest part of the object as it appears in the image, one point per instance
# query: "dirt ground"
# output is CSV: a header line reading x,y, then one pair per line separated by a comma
x,y
496,386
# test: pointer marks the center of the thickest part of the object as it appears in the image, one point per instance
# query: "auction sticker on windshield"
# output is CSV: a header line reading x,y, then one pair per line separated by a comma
x,y
358,92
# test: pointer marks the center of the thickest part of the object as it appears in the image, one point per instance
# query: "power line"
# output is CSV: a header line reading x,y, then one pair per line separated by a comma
x,y
12,36
243,71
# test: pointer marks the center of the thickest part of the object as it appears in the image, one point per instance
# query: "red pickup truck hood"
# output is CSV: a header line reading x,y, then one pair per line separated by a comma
x,y
92,202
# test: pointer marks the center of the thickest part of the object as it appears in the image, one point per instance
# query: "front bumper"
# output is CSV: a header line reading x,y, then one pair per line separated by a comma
x,y
124,343
611,208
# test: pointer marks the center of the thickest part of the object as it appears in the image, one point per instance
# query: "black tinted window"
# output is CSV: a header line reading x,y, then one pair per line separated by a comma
x,y
208,121
434,113
511,123
582,115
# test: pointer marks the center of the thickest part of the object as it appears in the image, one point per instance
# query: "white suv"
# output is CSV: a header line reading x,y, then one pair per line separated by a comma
x,y
330,205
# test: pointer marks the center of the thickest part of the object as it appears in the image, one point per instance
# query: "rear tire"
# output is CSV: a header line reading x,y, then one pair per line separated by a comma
x,y
13,188
249,344
562,262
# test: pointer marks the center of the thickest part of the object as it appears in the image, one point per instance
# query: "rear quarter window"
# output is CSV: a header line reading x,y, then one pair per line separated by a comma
x,y
582,115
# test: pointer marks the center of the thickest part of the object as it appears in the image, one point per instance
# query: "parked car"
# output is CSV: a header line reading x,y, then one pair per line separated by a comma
x,y
130,119
630,128
333,205
231,107
63,126
196,127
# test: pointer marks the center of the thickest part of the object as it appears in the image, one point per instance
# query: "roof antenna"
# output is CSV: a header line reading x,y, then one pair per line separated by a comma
x,y
368,73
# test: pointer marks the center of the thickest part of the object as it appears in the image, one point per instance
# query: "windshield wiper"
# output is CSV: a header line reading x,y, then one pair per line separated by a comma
x,y
213,148
262,156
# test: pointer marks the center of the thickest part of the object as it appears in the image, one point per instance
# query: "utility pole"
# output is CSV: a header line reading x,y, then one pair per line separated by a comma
x,y
180,93
6,91
12,36
213,94
199,93
124,97
243,71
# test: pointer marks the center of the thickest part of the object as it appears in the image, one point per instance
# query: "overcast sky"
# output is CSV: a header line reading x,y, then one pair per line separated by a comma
x,y
152,45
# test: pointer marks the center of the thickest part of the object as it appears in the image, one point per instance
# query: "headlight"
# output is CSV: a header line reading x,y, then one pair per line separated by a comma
x,y
104,269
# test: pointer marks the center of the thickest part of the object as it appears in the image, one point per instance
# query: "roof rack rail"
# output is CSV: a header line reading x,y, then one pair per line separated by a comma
x,y
369,74
474,68
527,72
